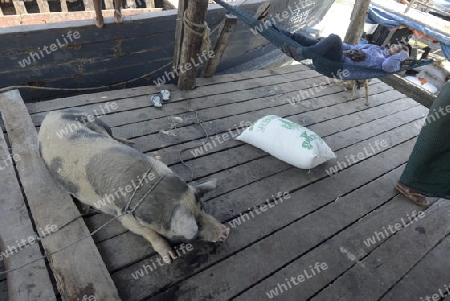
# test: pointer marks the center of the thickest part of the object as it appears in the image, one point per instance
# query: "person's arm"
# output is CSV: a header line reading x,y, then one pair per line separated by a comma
x,y
392,63
346,46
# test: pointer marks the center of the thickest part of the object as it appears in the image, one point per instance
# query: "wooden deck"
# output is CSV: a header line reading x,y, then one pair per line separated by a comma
x,y
327,220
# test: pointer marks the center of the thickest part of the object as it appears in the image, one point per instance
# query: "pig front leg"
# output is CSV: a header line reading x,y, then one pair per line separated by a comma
x,y
159,243
211,229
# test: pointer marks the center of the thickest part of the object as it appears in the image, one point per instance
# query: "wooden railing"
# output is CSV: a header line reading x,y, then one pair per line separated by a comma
x,y
427,5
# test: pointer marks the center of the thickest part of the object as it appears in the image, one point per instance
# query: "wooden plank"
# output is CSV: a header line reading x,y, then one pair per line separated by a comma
x,y
226,30
20,7
53,17
390,261
231,192
175,106
247,237
117,260
428,278
64,5
15,225
157,141
177,95
342,252
79,270
43,6
404,86
240,198
237,153
281,249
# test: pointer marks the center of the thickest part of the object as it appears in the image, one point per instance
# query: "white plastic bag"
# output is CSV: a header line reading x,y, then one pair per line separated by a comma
x,y
288,141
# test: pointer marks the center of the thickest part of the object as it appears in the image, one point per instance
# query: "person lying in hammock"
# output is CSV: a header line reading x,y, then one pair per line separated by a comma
x,y
331,54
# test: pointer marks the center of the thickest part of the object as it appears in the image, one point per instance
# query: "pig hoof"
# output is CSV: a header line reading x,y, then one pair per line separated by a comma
x,y
224,234
164,250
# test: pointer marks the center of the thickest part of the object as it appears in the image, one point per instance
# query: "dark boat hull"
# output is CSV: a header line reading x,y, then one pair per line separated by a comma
x,y
121,52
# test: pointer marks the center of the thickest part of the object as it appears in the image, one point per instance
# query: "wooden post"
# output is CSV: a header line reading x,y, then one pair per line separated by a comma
x,y
182,5
356,27
190,48
411,3
19,5
227,27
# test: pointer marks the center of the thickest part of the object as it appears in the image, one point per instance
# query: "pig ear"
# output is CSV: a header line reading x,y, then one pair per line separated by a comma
x,y
183,222
205,187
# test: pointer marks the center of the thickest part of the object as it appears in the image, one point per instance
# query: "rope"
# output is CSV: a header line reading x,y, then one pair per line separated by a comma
x,y
84,89
194,146
204,34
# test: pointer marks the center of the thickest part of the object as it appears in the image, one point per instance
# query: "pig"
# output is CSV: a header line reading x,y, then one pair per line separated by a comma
x,y
100,170
99,16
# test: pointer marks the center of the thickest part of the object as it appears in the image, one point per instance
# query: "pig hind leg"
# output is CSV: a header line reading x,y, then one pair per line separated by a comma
x,y
158,242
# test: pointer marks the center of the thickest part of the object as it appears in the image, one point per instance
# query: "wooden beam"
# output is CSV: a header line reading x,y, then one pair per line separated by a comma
x,y
182,5
191,45
45,18
411,3
227,27
150,3
43,6
19,5
109,4
64,6
356,27
79,270
15,225
130,4
88,5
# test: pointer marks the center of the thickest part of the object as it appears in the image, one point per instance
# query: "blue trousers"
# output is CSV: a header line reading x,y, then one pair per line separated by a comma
x,y
327,54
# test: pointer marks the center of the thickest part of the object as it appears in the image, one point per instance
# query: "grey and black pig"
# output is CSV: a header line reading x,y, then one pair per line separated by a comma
x,y
83,156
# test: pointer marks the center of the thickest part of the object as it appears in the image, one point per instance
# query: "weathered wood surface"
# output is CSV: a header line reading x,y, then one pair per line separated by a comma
x,y
16,225
325,213
20,7
43,6
79,270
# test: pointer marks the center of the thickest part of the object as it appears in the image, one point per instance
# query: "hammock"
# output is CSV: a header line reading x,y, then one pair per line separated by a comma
x,y
322,65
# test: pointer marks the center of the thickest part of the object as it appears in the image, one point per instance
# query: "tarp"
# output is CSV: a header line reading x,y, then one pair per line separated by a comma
x,y
378,15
